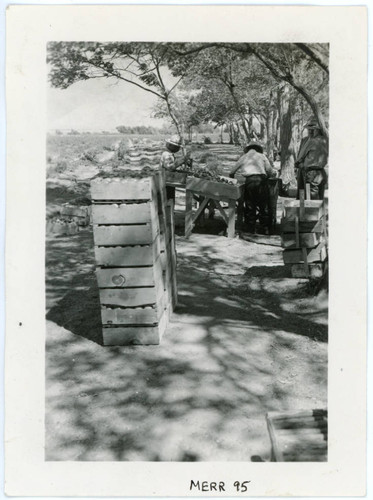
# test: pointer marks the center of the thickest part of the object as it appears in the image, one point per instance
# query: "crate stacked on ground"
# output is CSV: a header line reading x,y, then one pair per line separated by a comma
x,y
69,220
132,258
304,237
298,436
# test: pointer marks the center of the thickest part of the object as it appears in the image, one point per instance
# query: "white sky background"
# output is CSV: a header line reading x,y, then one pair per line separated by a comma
x,y
103,104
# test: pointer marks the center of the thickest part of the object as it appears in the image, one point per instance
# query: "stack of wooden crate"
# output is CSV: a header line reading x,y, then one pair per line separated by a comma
x,y
134,258
304,237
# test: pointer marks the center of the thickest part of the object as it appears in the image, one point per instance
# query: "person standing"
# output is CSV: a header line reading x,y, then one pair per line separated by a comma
x,y
311,161
256,169
170,163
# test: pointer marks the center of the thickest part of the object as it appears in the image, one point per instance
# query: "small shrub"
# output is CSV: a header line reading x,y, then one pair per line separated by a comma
x,y
207,140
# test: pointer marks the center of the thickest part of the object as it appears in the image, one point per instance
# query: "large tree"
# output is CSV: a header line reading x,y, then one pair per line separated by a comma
x,y
288,62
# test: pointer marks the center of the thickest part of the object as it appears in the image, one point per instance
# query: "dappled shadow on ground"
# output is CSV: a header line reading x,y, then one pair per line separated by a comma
x,y
231,353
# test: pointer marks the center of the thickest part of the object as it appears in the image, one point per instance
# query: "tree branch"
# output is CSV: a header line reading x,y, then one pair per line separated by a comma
x,y
116,75
307,50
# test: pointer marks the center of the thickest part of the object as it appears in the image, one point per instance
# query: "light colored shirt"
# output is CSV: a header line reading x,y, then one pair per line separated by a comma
x,y
254,163
167,160
313,153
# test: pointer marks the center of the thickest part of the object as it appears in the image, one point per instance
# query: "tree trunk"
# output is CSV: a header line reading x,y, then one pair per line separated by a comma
x,y
262,123
239,112
236,134
271,127
231,134
176,122
286,139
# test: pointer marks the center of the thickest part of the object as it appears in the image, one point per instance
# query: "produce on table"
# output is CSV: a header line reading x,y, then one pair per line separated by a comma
x,y
203,173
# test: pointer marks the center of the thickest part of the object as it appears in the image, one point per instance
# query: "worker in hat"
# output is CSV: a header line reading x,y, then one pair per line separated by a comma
x,y
311,161
170,163
256,169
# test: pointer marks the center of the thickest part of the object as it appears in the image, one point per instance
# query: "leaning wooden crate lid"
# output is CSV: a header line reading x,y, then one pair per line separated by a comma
x,y
313,209
138,186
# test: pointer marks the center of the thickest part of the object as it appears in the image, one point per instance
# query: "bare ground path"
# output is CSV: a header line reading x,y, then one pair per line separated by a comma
x,y
244,340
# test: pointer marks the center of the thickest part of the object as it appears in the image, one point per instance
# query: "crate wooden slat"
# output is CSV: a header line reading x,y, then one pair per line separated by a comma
x,y
124,235
172,252
128,297
135,335
126,256
121,189
125,277
135,213
129,316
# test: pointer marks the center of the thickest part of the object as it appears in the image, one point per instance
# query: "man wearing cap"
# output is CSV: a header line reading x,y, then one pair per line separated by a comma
x,y
170,163
256,169
311,161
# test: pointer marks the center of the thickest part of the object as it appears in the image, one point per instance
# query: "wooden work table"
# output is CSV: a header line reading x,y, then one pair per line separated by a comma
x,y
211,191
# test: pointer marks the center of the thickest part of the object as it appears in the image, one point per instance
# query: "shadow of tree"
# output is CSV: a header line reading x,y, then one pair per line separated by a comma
x,y
230,354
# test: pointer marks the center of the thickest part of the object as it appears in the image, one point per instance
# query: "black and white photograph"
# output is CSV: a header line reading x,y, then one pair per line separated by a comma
x,y
193,317
187,251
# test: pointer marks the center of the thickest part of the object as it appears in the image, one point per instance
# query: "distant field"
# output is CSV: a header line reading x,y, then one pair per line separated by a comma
x,y
68,147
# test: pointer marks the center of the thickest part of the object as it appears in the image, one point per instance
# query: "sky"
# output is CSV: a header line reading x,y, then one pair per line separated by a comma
x,y
98,105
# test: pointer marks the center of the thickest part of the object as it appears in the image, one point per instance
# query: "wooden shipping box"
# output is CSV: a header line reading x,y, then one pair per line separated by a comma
x,y
122,189
313,226
315,270
317,254
129,223
299,436
305,240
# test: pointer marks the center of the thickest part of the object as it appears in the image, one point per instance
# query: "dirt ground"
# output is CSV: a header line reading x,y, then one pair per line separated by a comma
x,y
245,339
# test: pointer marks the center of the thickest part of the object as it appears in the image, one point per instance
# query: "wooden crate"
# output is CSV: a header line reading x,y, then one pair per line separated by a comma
x,y
315,270
317,254
129,225
108,189
80,215
305,240
304,235
315,226
298,436
135,335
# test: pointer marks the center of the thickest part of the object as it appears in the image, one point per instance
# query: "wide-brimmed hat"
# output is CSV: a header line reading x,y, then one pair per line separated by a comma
x,y
174,140
312,123
254,145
